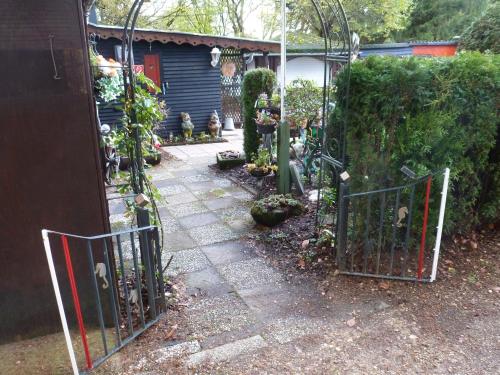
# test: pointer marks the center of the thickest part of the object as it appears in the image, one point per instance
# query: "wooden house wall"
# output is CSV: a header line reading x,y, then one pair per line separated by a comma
x,y
51,174
193,84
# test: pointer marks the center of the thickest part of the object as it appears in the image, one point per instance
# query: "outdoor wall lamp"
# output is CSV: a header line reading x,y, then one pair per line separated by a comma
x,y
215,53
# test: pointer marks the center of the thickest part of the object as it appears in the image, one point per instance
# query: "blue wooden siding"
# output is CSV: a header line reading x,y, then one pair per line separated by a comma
x,y
193,84
387,49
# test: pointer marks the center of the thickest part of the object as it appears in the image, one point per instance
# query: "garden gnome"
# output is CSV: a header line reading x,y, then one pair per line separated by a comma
x,y
214,124
187,125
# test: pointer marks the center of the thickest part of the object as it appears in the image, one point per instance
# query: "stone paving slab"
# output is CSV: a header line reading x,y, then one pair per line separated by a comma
x,y
185,261
186,172
196,178
285,330
227,351
187,209
166,183
198,220
213,316
176,199
212,194
220,203
175,351
172,190
227,252
213,233
250,274
169,224
206,283
201,186
178,241
269,301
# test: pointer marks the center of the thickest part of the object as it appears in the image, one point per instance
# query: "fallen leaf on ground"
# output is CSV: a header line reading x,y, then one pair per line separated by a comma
x,y
384,285
305,243
351,322
171,333
302,263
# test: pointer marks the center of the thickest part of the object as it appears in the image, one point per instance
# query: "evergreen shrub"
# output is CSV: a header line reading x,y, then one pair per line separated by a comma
x,y
255,82
427,114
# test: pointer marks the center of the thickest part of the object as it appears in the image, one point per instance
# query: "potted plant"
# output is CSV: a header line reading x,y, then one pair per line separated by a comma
x,y
262,101
261,165
153,151
274,209
266,122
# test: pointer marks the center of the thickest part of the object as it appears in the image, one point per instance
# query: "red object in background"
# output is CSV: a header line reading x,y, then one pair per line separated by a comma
x,y
435,50
76,300
138,69
424,230
152,68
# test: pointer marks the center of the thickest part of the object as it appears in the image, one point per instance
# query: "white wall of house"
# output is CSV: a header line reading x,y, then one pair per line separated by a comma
x,y
305,68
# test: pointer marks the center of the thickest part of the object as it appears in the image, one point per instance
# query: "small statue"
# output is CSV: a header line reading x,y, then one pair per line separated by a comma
x,y
187,125
214,124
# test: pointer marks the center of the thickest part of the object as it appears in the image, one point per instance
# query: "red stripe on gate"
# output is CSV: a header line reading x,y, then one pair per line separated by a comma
x,y
76,300
424,230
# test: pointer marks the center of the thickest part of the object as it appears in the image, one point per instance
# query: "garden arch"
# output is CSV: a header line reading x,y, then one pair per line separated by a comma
x,y
338,49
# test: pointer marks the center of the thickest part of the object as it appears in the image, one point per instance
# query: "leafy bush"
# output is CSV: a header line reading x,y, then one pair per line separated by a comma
x,y
255,82
303,100
484,34
427,114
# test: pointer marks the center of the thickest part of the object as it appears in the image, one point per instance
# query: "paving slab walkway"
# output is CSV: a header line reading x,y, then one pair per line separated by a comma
x,y
239,303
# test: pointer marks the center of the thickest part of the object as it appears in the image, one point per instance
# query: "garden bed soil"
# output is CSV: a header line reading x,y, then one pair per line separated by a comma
x,y
167,143
240,176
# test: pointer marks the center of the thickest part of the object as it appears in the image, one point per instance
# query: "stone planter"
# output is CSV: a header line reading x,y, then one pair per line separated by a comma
x,y
269,218
275,209
230,159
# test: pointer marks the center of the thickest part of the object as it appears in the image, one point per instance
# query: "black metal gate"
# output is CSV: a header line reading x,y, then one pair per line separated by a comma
x,y
386,233
126,275
232,70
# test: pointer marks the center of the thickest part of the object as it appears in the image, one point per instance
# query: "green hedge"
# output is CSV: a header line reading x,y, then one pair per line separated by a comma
x,y
428,114
255,82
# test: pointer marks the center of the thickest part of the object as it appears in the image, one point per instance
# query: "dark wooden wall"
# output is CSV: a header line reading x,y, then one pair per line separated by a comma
x,y
193,84
49,175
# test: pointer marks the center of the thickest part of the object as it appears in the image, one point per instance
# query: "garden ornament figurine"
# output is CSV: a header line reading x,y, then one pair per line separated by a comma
x,y
214,125
187,125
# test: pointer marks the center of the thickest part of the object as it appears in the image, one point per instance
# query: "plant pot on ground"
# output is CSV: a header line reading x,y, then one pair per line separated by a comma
x,y
261,165
153,159
274,209
124,163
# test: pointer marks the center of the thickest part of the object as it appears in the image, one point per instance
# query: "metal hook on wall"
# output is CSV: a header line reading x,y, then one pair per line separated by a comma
x,y
51,42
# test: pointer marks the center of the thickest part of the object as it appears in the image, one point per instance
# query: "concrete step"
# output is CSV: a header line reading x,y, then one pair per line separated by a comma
x,y
227,351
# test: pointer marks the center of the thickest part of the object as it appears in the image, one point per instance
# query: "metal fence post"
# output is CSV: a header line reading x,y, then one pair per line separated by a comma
x,y
284,158
342,224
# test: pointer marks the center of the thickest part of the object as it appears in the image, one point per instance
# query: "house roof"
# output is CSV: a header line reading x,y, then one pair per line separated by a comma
x,y
162,36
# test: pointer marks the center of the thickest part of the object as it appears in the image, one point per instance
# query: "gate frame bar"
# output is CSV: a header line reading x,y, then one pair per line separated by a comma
x,y
57,291
442,209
